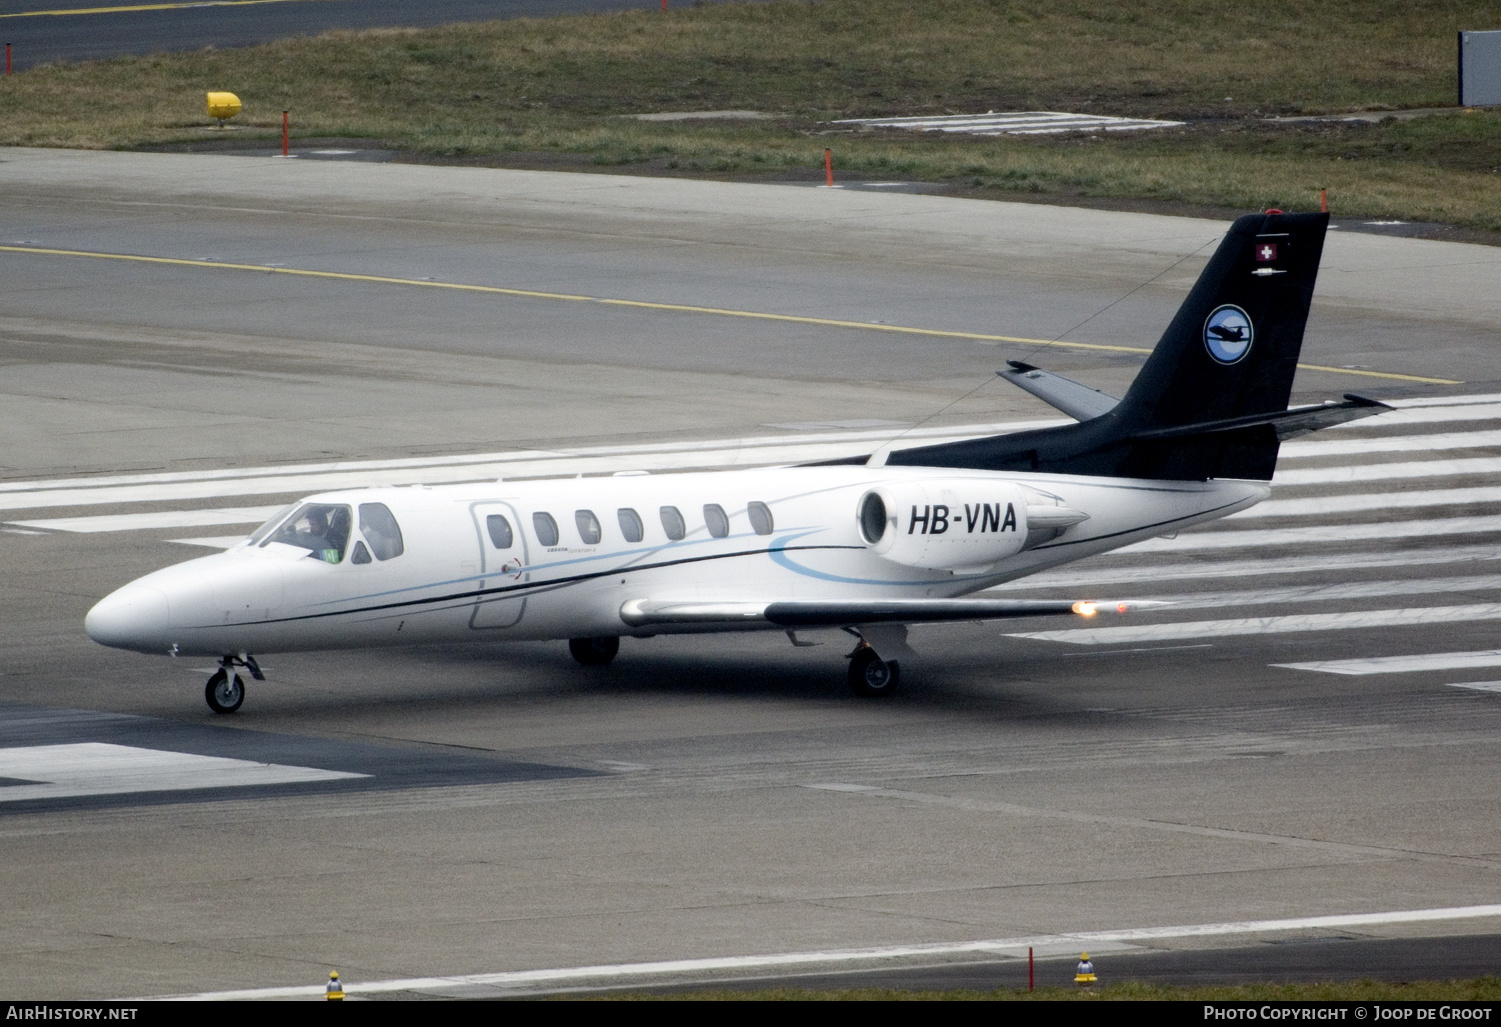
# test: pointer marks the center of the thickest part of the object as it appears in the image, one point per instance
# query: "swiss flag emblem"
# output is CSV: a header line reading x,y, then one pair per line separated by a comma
x,y
1266,251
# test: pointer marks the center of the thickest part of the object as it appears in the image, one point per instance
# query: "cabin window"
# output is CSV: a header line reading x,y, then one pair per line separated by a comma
x,y
630,524
381,531
673,524
760,518
500,531
360,554
716,521
588,526
546,527
320,528
265,529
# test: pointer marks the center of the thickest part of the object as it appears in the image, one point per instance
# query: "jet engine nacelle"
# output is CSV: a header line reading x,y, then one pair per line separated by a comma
x,y
952,525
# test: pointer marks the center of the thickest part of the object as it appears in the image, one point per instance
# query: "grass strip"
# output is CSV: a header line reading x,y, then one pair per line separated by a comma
x,y
505,92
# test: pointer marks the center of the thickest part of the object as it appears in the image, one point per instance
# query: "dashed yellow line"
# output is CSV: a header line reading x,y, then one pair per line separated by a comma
x,y
682,308
61,12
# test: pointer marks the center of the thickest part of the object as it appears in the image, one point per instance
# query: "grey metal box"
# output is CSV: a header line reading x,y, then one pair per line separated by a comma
x,y
1479,69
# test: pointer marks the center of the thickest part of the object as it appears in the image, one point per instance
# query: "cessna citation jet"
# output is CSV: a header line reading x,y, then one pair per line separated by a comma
x,y
869,545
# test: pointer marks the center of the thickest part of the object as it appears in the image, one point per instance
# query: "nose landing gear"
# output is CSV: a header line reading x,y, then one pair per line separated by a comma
x,y
225,691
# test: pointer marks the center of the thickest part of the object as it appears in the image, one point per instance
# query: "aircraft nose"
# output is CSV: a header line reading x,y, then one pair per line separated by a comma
x,y
134,617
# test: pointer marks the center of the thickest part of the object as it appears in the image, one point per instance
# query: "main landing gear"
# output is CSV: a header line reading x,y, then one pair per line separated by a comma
x,y
870,676
225,691
594,652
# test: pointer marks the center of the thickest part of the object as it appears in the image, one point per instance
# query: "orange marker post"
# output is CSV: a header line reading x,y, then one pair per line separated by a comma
x,y
1029,968
664,5
7,58
828,167
285,138
1324,200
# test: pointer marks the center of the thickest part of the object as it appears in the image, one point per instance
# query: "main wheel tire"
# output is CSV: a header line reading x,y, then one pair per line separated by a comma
x,y
872,677
594,652
224,692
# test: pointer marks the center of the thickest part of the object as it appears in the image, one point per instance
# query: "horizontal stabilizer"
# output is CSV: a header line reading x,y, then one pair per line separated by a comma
x,y
1288,424
1076,400
809,613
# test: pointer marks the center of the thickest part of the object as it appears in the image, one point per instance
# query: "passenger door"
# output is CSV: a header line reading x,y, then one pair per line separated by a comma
x,y
499,565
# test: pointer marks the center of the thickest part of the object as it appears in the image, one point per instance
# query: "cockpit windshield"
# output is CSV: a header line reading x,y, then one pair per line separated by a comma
x,y
320,528
265,529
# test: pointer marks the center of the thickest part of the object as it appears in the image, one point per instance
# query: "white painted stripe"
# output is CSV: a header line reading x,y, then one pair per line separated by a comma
x,y
157,519
1444,401
1479,686
1426,415
958,431
1353,621
1402,664
100,768
1153,572
1320,505
1387,472
531,467
536,980
1318,533
1323,593
1302,449
210,541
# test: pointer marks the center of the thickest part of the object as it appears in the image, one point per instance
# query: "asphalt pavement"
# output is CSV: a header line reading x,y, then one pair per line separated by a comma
x,y
44,31
1291,770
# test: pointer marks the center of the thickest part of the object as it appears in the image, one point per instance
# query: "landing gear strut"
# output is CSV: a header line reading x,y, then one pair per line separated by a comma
x,y
870,676
594,652
225,691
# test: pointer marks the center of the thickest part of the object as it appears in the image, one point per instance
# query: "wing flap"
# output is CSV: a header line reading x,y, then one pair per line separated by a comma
x,y
809,613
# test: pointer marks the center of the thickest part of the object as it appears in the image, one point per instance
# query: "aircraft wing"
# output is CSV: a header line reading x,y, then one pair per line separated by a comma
x,y
833,613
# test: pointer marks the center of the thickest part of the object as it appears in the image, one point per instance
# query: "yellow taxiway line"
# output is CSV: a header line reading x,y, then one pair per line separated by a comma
x,y
682,308
63,11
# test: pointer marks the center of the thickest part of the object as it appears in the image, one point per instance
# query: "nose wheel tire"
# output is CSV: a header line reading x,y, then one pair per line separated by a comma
x,y
594,652
872,677
224,692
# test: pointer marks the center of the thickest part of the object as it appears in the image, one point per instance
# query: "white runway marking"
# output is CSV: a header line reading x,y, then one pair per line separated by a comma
x,y
1331,593
1251,568
1479,686
1317,533
1300,449
1028,123
1402,664
1315,506
99,768
159,519
1353,621
1045,944
1387,472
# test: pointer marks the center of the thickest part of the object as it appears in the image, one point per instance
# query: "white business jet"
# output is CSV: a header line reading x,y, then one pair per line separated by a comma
x,y
868,545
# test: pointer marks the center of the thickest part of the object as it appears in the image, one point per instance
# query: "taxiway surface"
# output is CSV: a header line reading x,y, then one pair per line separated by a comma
x,y
492,808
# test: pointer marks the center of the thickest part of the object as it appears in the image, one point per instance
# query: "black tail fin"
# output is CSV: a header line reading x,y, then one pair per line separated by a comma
x,y
1229,355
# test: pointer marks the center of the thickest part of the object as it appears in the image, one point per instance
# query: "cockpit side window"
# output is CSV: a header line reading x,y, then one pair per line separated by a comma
x,y
360,554
320,528
381,530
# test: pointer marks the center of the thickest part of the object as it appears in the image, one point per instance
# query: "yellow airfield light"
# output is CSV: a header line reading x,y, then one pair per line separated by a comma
x,y
223,106
1084,609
